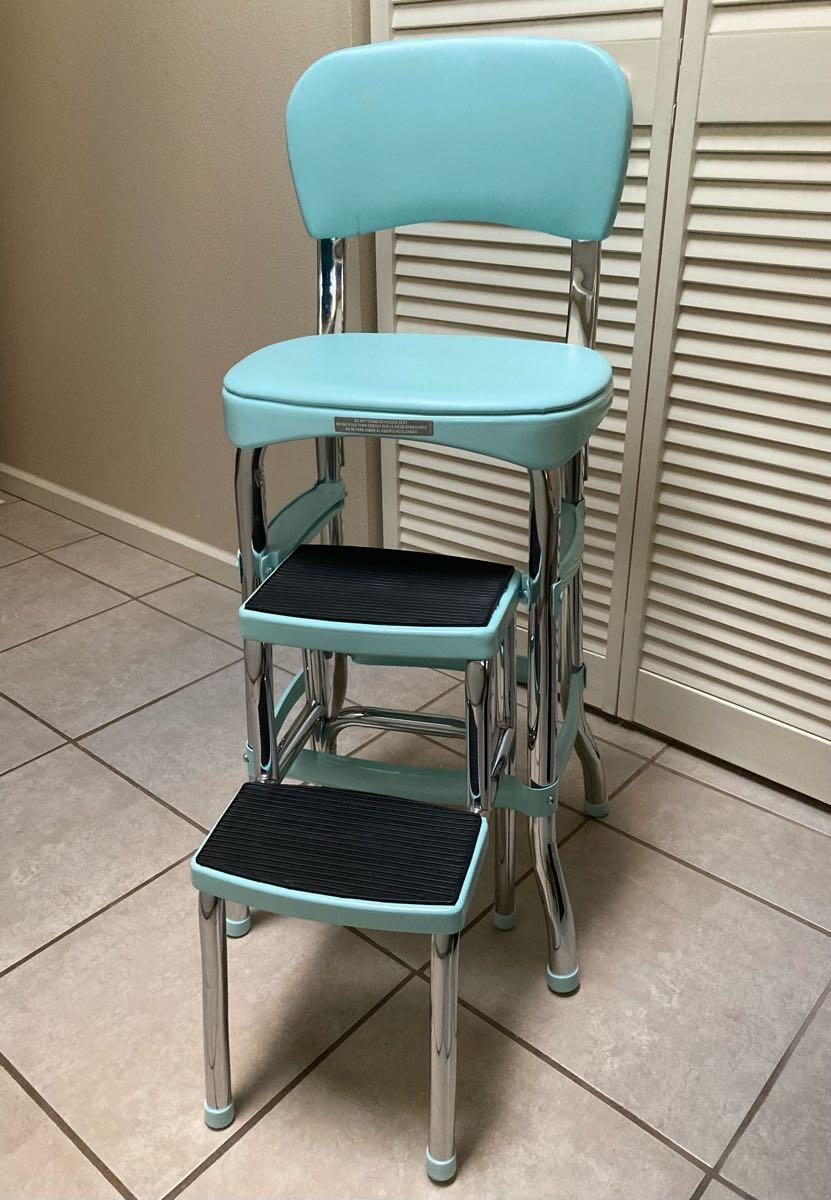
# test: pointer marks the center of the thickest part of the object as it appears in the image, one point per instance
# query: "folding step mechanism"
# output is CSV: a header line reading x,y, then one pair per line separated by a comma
x,y
374,844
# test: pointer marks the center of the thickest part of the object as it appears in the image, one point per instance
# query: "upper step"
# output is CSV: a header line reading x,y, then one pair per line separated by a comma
x,y
359,599
344,857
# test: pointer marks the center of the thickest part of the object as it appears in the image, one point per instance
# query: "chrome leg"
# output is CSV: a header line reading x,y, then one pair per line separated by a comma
x,y
504,858
331,319
504,819
252,525
595,794
478,705
563,972
335,666
542,726
317,670
596,801
219,1104
444,992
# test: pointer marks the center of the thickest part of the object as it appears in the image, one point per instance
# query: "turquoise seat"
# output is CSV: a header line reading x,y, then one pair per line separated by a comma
x,y
532,402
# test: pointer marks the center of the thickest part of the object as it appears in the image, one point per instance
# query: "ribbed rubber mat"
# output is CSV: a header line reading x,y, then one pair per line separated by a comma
x,y
334,842
382,587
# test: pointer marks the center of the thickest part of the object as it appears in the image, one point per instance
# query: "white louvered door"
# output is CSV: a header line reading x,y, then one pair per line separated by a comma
x,y
708,558
488,279
728,638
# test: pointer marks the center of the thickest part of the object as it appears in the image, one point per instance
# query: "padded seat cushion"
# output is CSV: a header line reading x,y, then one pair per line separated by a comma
x,y
430,374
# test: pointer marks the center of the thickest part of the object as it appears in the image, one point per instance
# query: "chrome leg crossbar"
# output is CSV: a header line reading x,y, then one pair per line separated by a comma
x,y
393,719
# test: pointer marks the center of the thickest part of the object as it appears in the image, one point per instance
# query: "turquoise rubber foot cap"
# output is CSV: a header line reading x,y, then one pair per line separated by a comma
x,y
219,1118
596,810
238,928
563,984
503,920
441,1170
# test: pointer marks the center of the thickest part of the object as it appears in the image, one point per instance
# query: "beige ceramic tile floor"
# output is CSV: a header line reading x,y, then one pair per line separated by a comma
x,y
693,1062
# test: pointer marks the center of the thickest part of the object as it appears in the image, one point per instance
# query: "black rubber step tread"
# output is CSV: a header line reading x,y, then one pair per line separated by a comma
x,y
369,586
335,842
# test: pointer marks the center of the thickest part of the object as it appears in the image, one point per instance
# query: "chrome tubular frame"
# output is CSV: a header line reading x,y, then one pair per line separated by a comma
x,y
218,1102
444,991
252,525
301,729
504,819
478,718
594,774
543,567
581,330
331,318
543,563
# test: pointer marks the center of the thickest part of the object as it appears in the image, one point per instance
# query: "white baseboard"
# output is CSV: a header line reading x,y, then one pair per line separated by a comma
x,y
165,543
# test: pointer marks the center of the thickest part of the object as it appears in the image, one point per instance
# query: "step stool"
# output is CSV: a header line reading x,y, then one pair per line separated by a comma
x,y
525,132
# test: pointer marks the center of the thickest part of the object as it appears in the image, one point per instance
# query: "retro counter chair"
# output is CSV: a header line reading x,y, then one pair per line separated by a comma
x,y
522,132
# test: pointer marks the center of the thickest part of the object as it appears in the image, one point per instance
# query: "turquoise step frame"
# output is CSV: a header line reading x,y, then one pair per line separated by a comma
x,y
393,645
336,910
407,643
417,783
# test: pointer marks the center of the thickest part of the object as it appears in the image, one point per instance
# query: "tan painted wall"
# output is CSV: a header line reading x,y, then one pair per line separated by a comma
x,y
151,238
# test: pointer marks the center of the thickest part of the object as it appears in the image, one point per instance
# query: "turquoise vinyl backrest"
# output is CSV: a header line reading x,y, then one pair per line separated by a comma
x,y
529,132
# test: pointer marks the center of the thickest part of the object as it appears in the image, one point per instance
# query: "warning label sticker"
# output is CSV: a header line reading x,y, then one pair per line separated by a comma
x,y
382,427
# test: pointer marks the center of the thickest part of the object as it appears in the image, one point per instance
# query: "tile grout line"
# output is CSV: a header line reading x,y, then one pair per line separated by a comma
x,y
769,1083
735,887
743,799
102,582
218,637
294,1082
732,1187
78,621
171,808
35,757
65,1128
127,599
93,533
584,1084
364,937
149,703
703,1185
75,740
140,598
92,916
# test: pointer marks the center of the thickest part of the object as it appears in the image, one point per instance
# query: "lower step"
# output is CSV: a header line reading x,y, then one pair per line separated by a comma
x,y
345,857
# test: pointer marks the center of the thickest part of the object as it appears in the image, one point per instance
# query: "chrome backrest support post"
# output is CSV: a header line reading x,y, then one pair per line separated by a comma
x,y
581,322
331,318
